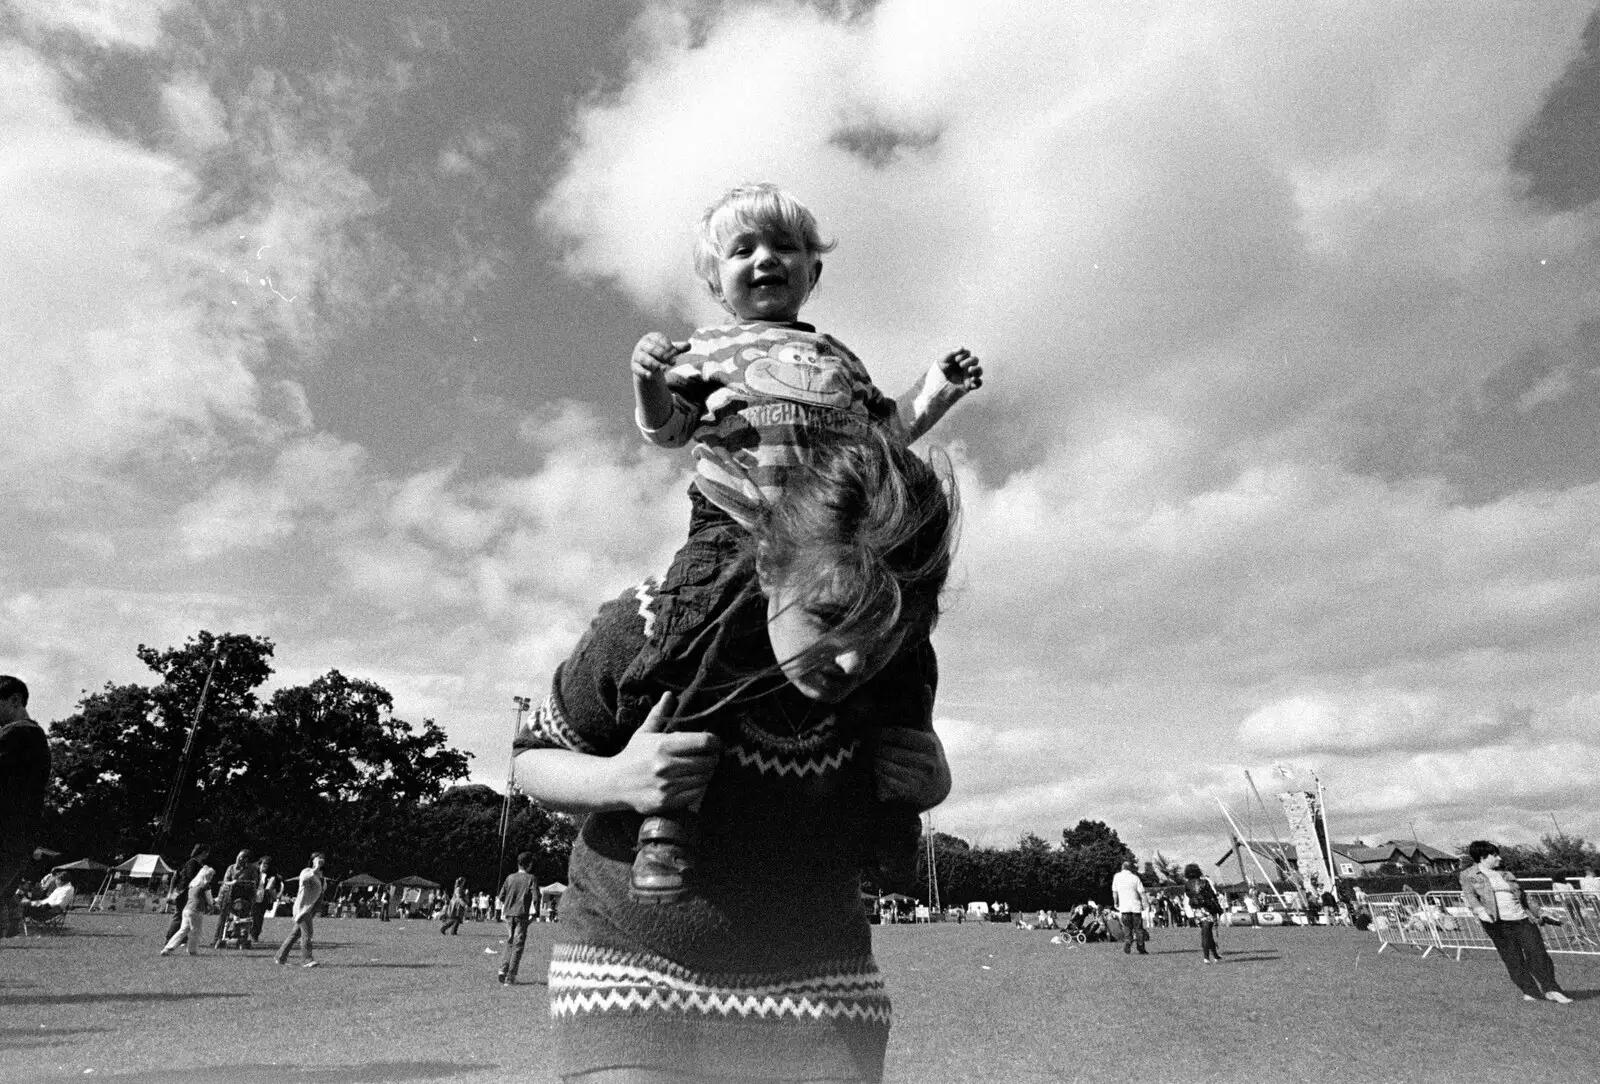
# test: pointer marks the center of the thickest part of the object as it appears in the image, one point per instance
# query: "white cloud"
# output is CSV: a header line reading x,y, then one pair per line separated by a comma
x,y
1197,248
1363,722
115,24
107,354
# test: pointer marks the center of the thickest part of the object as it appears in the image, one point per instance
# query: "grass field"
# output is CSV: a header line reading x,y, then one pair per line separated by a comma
x,y
974,1002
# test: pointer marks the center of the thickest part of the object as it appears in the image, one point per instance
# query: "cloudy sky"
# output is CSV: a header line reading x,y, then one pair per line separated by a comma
x,y
316,316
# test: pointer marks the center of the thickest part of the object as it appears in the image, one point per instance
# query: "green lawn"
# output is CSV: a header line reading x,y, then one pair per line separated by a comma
x,y
974,1002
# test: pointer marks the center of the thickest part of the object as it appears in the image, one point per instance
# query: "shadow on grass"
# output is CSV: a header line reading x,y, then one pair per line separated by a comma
x,y
91,999
408,967
375,1072
15,1039
1248,957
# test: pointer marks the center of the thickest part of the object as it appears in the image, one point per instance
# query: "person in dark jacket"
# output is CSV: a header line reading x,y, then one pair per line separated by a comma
x,y
1203,899
24,778
519,899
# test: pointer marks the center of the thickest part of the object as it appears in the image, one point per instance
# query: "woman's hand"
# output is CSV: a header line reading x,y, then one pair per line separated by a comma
x,y
909,766
657,773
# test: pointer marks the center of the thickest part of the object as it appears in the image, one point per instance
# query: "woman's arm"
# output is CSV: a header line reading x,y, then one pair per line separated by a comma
x,y
653,773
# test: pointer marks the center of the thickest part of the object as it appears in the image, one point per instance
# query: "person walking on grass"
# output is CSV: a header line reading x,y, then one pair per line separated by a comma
x,y
305,908
268,886
1202,896
455,910
193,916
1512,922
180,887
517,899
1128,892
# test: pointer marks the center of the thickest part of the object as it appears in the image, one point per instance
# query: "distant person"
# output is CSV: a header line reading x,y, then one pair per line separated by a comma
x,y
238,883
455,910
519,899
1202,897
197,902
1589,882
1512,922
268,887
306,901
1128,892
179,896
24,778
385,901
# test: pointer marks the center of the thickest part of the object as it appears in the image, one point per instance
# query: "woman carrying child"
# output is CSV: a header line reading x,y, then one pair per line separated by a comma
x,y
763,969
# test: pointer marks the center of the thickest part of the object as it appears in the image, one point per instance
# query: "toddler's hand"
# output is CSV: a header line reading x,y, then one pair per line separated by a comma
x,y
653,356
961,366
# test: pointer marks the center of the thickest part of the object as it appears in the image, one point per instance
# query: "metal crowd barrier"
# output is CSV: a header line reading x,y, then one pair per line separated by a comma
x,y
1440,920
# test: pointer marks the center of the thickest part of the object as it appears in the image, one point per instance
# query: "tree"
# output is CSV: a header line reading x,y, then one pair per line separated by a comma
x,y
1167,871
117,758
323,766
1094,853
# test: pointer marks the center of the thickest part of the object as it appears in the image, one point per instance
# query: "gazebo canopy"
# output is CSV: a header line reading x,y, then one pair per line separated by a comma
x,y
414,881
360,880
554,888
142,867
81,865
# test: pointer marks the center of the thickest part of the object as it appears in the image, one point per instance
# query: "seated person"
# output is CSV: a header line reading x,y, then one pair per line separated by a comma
x,y
56,903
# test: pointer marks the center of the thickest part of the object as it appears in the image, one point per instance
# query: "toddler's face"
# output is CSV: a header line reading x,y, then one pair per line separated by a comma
x,y
765,274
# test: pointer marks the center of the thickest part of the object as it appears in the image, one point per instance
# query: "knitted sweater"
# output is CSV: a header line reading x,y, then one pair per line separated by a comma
x,y
766,970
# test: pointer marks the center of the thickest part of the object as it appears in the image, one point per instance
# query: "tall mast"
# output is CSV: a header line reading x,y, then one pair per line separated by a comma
x,y
521,703
219,656
1253,856
1327,834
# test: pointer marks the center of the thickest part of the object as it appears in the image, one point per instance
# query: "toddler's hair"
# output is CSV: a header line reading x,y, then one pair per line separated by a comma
x,y
863,533
748,206
1479,849
1191,871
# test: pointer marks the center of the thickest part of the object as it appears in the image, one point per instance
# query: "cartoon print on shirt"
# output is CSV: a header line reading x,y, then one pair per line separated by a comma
x,y
797,372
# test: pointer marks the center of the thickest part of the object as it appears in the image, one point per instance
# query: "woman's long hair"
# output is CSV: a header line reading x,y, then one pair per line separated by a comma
x,y
863,535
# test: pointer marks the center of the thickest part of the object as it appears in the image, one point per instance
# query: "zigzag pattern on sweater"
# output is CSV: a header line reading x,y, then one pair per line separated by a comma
x,y
781,765
547,728
645,593
626,985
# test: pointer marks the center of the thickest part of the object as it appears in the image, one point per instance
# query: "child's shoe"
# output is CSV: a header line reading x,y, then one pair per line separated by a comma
x,y
662,862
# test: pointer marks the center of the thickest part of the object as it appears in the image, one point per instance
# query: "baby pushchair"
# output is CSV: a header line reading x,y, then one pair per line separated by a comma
x,y
239,924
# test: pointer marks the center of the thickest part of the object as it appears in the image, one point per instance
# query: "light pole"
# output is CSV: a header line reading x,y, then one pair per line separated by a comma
x,y
522,704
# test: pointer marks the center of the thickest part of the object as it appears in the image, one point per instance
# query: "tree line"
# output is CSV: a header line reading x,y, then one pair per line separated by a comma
x,y
325,766
329,766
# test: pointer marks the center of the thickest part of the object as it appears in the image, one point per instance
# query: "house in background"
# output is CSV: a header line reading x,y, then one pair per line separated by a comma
x,y
1402,855
1350,859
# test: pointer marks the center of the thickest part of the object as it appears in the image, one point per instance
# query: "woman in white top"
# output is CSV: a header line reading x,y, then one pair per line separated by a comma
x,y
195,907
1512,922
